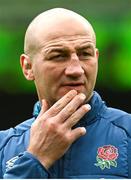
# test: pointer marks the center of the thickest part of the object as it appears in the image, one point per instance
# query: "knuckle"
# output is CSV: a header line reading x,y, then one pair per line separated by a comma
x,y
63,135
57,106
66,139
52,125
60,131
70,110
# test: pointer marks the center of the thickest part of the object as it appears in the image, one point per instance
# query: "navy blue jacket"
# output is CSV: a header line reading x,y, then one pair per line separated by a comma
x,y
104,152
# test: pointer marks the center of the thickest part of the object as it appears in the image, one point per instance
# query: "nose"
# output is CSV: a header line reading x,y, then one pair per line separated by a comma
x,y
74,67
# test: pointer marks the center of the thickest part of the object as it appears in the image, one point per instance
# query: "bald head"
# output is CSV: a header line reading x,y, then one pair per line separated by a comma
x,y
52,24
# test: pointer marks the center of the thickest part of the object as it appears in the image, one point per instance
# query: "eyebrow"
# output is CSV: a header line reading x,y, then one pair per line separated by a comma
x,y
56,49
61,48
85,46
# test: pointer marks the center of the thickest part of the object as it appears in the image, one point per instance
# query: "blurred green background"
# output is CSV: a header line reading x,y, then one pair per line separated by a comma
x,y
112,23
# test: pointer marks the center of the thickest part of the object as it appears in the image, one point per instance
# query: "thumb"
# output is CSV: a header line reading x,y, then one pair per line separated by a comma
x,y
44,107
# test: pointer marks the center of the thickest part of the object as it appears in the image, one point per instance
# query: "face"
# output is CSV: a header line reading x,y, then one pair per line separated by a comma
x,y
64,62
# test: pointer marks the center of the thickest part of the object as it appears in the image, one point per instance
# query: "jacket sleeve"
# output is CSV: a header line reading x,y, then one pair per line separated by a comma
x,y
26,166
1,173
125,123
129,158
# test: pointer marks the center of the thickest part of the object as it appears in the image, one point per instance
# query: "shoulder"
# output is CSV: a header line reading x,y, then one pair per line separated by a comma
x,y
119,118
19,130
109,111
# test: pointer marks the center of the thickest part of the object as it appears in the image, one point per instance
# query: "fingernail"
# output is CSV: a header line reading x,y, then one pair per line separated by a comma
x,y
82,96
88,106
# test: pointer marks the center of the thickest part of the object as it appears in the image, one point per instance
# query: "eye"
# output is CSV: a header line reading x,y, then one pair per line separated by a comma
x,y
57,56
84,55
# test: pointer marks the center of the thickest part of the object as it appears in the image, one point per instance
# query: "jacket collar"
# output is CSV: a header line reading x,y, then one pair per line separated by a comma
x,y
97,107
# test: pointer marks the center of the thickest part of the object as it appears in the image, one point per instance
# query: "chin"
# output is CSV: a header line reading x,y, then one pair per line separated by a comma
x,y
65,91
79,89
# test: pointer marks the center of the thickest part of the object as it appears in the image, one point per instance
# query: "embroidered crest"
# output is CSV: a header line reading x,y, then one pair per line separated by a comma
x,y
106,157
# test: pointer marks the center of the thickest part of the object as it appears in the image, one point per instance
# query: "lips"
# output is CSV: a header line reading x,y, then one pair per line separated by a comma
x,y
78,86
73,84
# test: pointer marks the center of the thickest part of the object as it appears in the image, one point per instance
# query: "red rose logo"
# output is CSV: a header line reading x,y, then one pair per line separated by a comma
x,y
108,152
106,156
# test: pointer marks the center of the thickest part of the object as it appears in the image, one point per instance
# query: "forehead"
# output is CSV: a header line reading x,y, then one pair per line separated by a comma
x,y
57,28
65,30
67,42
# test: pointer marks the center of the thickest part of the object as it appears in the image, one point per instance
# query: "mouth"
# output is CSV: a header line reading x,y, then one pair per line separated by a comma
x,y
74,84
77,86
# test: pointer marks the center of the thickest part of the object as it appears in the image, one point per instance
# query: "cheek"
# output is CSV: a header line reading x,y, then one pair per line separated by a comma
x,y
51,75
94,64
40,74
91,69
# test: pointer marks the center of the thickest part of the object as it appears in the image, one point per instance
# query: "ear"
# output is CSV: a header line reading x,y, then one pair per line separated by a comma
x,y
26,65
97,53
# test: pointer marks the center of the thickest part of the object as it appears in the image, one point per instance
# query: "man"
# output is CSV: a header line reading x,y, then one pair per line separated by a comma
x,y
72,134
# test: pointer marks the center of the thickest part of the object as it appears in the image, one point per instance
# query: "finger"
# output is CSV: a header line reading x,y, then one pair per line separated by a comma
x,y
71,107
76,116
77,133
60,104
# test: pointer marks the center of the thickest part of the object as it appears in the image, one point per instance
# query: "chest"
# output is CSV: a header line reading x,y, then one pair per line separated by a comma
x,y
101,153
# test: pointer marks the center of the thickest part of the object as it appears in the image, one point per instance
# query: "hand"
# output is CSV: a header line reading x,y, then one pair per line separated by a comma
x,y
52,133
